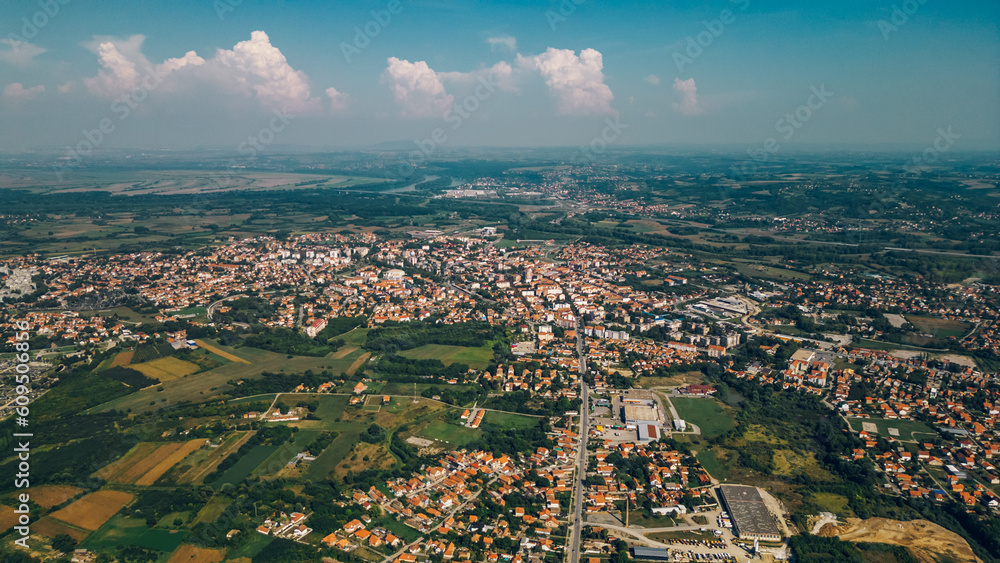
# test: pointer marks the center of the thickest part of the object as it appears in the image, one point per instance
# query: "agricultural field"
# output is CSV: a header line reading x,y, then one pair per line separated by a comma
x,y
708,414
212,510
166,369
478,358
906,428
147,461
193,469
193,554
220,352
93,510
7,518
122,531
245,466
50,527
276,461
48,496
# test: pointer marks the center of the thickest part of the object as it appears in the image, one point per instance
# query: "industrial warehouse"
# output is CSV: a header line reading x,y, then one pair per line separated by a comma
x,y
751,518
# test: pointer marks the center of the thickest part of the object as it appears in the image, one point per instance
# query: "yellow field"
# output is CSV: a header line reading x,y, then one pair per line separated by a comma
x,y
48,496
358,363
192,554
223,353
93,510
343,352
171,460
7,518
123,359
166,369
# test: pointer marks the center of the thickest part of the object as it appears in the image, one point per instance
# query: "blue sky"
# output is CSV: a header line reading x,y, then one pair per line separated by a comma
x,y
500,73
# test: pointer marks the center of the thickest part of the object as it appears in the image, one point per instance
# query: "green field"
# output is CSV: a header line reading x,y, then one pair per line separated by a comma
x,y
708,414
325,462
710,461
121,531
905,427
941,328
245,466
213,509
452,434
478,358
508,420
276,461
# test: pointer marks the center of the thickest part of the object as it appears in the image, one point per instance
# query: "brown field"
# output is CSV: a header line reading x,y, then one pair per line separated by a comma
x,y
358,363
171,460
343,352
926,541
139,454
122,359
192,554
223,353
166,369
377,454
48,496
7,518
93,510
49,527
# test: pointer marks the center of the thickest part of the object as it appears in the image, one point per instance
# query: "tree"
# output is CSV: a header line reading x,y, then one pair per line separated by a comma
x,y
63,543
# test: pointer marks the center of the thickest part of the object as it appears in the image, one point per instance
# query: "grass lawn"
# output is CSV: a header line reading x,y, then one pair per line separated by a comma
x,y
905,427
708,414
830,502
122,531
250,547
511,421
451,433
327,461
711,462
478,358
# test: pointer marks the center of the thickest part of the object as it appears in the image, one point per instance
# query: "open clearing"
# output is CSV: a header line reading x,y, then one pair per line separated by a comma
x,y
882,426
708,414
196,474
193,554
941,328
478,358
166,369
220,352
926,541
94,509
7,518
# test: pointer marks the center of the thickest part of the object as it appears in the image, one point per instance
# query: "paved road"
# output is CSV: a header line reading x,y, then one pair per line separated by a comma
x,y
576,529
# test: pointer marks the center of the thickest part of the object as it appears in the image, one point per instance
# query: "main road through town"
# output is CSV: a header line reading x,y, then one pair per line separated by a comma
x,y
573,549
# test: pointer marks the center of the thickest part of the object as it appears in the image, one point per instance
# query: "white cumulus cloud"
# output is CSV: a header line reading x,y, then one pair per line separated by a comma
x,y
19,53
653,79
18,93
338,100
262,67
689,104
118,73
417,88
577,82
